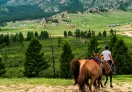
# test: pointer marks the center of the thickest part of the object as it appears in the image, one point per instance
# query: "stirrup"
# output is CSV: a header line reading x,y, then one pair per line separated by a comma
x,y
114,73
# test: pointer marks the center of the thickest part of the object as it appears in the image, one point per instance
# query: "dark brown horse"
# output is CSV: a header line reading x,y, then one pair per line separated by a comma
x,y
107,67
86,69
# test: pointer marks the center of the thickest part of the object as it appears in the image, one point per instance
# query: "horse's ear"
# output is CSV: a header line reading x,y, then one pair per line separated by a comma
x,y
94,53
98,54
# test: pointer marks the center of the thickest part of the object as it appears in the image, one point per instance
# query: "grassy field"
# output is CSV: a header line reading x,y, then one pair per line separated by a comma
x,y
14,54
86,21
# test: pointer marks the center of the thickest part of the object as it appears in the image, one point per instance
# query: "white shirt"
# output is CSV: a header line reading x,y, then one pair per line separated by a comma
x,y
106,54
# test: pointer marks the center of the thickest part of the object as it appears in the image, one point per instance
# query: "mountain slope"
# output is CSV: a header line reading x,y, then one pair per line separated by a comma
x,y
43,8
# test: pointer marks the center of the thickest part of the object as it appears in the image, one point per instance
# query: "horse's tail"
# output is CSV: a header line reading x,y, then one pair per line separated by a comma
x,y
83,77
75,66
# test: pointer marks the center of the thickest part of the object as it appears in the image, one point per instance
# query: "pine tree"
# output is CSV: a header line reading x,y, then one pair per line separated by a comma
x,y
112,42
77,33
69,33
36,34
46,35
82,34
65,59
7,40
100,35
30,35
92,46
104,33
89,34
65,34
34,60
21,37
123,60
1,39
2,67
112,32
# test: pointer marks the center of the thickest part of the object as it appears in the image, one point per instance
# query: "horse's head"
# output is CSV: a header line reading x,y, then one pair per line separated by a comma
x,y
97,55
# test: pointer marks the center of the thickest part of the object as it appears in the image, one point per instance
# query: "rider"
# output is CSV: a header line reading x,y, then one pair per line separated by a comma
x,y
108,57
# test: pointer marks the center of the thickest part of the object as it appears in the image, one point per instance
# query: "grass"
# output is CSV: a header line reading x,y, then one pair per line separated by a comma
x,y
58,85
36,81
56,81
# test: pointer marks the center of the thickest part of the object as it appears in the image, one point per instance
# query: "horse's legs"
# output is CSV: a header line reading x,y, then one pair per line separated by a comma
x,y
106,80
81,83
91,83
95,85
101,84
111,81
75,82
87,82
82,88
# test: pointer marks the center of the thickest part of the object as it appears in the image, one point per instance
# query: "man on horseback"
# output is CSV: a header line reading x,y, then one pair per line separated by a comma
x,y
108,57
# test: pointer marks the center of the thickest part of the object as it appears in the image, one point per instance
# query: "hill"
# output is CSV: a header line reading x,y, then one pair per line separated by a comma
x,y
27,9
117,20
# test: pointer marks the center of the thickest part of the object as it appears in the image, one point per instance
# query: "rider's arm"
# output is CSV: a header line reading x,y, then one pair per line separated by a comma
x,y
111,59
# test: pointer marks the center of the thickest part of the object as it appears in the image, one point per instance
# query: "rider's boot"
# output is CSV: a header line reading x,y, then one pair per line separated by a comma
x,y
113,69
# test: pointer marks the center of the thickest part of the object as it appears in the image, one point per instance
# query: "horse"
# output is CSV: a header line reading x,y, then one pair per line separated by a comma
x,y
86,69
106,69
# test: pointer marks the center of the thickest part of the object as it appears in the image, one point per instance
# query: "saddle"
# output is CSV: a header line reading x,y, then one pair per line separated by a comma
x,y
97,60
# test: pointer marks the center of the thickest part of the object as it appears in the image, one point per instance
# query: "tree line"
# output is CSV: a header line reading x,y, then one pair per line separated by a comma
x,y
87,34
122,58
35,60
19,37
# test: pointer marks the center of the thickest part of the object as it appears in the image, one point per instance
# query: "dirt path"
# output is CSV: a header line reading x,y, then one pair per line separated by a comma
x,y
125,30
128,33
118,87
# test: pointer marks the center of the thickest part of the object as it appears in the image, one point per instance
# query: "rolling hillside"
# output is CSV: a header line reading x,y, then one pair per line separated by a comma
x,y
28,9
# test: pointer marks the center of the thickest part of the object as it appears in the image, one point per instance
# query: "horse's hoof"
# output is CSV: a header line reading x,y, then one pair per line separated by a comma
x,y
102,86
111,86
74,84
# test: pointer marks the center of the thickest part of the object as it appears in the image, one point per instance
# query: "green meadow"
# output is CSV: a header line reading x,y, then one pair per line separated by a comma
x,y
94,21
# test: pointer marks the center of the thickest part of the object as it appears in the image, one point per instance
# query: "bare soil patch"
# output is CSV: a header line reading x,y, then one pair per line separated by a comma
x,y
125,30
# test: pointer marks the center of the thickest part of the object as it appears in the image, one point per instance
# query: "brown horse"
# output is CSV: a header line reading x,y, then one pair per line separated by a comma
x,y
107,67
86,69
